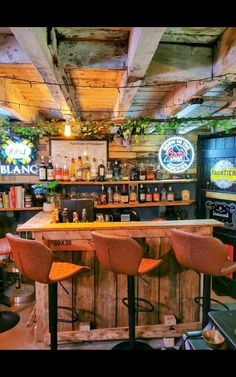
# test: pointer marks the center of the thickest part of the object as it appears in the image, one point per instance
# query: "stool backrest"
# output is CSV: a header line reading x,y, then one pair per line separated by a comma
x,y
121,255
200,253
33,259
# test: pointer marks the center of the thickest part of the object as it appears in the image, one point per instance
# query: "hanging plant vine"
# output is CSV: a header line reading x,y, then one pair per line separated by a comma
x,y
140,128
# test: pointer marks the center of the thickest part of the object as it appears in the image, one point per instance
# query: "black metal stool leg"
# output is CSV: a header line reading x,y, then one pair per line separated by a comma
x,y
131,310
131,344
52,299
206,299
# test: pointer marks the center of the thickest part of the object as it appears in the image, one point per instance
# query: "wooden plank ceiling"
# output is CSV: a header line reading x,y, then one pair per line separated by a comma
x,y
121,72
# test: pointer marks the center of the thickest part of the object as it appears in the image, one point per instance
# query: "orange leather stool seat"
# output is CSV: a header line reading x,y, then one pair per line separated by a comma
x,y
207,255
35,261
123,255
8,319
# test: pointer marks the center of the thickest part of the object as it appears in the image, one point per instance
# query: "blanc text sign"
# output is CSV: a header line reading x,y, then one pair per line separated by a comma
x,y
17,153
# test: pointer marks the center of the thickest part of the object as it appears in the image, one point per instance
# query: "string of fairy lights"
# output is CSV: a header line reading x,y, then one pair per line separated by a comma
x,y
136,106
225,77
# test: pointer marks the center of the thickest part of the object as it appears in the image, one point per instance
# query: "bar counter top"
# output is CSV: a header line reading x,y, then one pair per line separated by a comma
x,y
42,221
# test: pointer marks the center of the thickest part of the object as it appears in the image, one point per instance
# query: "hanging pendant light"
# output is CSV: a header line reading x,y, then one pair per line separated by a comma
x,y
67,129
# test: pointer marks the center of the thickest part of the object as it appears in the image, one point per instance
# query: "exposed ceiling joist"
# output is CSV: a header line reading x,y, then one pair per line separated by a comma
x,y
34,43
11,97
11,52
143,43
179,98
225,54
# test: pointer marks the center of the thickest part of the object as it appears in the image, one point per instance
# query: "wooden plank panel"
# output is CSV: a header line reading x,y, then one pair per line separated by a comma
x,y
149,288
105,297
169,281
152,331
189,288
65,295
122,310
83,289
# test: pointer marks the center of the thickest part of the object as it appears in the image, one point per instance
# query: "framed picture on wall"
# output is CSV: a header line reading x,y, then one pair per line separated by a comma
x,y
59,148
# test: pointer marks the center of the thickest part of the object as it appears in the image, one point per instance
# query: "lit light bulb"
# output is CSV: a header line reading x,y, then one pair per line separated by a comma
x,y
67,130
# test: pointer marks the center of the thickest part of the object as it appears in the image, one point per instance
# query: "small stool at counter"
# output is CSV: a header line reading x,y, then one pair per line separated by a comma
x,y
35,261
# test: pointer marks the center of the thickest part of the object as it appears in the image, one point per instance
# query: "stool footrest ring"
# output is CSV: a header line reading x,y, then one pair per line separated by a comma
x,y
75,315
149,307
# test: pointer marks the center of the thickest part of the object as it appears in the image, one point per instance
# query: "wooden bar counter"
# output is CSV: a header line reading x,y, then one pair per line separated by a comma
x,y
97,294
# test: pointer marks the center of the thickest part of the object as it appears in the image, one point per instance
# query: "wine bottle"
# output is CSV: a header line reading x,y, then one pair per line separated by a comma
x,y
101,171
142,194
42,170
124,196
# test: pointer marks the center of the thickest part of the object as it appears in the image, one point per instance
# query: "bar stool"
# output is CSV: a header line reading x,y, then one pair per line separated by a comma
x,y
35,261
8,319
123,255
207,255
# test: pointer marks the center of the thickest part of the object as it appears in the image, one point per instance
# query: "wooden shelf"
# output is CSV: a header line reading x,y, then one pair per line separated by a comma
x,y
22,209
151,204
159,181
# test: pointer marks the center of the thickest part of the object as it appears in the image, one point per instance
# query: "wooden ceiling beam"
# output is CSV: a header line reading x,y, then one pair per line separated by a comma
x,y
179,98
224,62
10,98
11,52
225,53
34,43
143,43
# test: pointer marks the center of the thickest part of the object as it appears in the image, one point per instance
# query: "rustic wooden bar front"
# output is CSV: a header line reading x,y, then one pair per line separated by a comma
x,y
97,294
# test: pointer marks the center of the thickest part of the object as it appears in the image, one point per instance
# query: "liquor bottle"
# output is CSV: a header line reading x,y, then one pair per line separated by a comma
x,y
50,170
94,170
133,197
163,195
156,195
109,172
42,170
125,172
103,196
159,174
170,195
72,170
65,215
116,196
84,218
58,169
101,171
124,196
116,171
110,195
134,174
142,172
79,169
65,170
142,194
86,175
75,217
148,195
150,172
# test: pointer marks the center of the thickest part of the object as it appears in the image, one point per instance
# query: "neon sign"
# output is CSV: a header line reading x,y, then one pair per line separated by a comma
x,y
17,154
176,154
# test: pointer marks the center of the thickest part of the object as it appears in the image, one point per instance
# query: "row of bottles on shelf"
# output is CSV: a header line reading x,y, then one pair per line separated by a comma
x,y
82,170
133,194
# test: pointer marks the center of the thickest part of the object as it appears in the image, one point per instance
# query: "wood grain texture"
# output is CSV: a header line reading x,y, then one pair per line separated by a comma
x,y
98,294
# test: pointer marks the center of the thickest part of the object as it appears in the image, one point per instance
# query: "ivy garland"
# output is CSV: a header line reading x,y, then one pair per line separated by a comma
x,y
92,129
